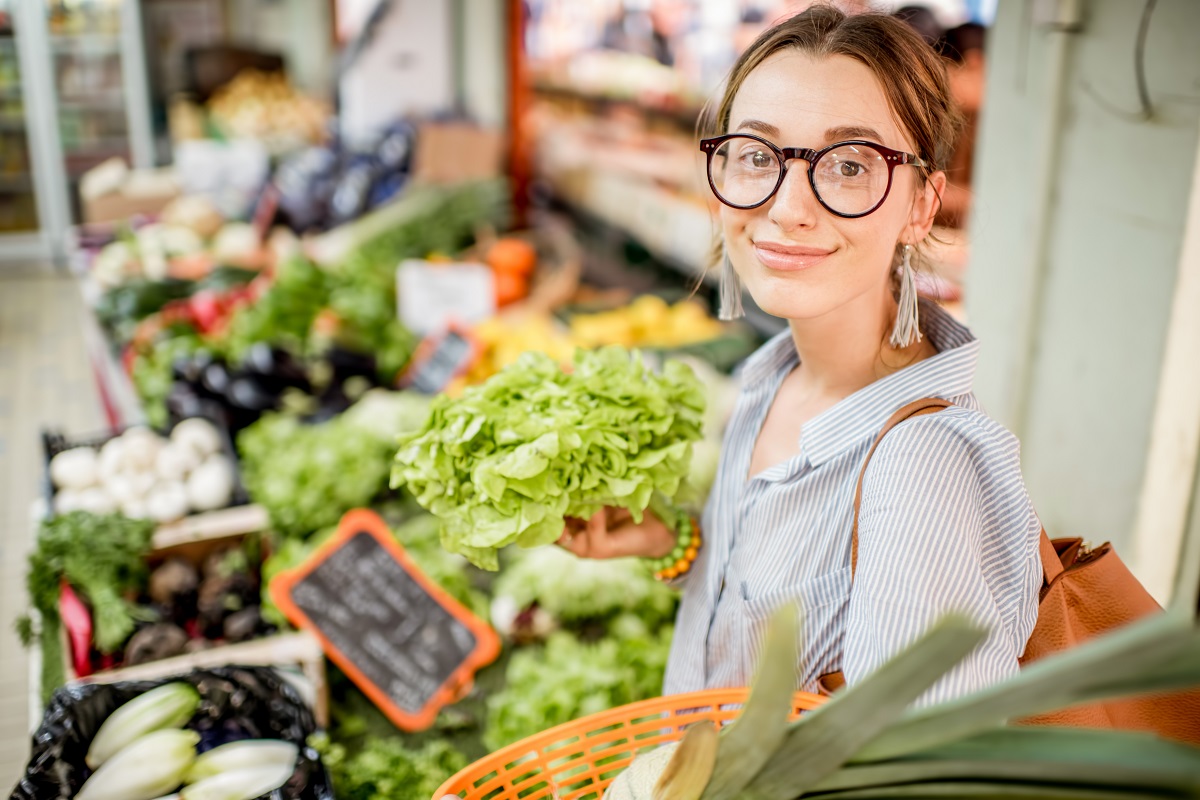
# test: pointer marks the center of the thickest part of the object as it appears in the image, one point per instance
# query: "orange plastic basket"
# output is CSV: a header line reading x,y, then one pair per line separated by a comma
x,y
577,760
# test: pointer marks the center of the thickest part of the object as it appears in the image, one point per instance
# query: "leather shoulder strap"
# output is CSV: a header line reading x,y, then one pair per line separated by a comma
x,y
929,405
1051,563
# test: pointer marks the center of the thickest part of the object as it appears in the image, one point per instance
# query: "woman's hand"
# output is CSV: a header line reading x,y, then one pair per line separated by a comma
x,y
612,533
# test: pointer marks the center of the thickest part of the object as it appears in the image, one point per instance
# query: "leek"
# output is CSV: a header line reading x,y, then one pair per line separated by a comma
x,y
1158,654
822,740
759,730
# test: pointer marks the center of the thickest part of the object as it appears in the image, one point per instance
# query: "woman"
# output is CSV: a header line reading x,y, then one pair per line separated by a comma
x,y
823,234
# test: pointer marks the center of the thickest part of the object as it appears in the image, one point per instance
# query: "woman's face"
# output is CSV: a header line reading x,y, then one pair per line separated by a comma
x,y
797,259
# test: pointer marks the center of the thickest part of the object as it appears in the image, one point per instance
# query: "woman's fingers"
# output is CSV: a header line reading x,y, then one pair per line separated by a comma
x,y
612,533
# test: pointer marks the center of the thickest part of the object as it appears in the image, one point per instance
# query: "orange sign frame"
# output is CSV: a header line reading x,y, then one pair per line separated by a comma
x,y
487,642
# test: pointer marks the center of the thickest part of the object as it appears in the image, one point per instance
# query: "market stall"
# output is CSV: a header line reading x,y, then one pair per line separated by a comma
x,y
357,389
258,355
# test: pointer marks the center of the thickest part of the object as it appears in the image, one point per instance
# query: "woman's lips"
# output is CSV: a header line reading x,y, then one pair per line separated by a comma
x,y
788,257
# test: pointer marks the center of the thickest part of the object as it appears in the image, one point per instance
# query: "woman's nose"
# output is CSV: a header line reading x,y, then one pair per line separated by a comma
x,y
794,205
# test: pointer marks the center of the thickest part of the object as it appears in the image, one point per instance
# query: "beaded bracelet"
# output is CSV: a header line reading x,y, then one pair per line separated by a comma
x,y
679,560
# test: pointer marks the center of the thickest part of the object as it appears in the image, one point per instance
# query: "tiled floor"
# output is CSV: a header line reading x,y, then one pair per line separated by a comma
x,y
44,381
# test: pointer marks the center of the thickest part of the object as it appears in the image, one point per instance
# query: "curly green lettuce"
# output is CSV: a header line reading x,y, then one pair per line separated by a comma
x,y
510,459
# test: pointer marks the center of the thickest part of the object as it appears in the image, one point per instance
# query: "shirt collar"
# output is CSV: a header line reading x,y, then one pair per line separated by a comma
x,y
947,375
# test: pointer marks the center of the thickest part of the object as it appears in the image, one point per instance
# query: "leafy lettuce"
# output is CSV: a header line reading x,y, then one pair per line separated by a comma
x,y
507,461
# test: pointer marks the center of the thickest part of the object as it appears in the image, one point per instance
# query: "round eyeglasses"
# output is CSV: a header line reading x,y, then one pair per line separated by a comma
x,y
850,179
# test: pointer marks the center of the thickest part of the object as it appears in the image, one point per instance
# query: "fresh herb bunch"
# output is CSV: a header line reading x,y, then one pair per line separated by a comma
x,y
103,557
507,461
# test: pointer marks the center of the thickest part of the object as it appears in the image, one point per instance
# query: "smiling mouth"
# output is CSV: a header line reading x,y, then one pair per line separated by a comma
x,y
788,258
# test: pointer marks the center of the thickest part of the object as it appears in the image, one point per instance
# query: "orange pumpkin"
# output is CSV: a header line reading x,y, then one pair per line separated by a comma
x,y
510,287
512,256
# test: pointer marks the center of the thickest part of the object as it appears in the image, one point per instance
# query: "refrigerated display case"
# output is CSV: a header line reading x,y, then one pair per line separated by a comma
x,y
18,203
32,187
73,92
97,61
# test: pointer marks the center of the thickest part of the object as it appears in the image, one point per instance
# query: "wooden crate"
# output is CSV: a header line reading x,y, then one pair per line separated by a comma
x,y
297,655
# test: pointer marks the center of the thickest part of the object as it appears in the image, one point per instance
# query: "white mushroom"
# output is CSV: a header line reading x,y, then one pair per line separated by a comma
x,y
74,468
112,457
141,483
66,501
199,435
167,502
175,462
121,488
210,486
96,501
135,509
141,448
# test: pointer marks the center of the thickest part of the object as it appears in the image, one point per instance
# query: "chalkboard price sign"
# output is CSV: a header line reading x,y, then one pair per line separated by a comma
x,y
438,360
406,643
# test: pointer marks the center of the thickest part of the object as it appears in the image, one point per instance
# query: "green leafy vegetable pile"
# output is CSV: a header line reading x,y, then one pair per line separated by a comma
x,y
284,314
570,678
507,461
579,590
387,769
307,476
101,557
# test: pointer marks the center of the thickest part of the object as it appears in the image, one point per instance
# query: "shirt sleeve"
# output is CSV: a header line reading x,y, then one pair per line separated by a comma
x,y
945,525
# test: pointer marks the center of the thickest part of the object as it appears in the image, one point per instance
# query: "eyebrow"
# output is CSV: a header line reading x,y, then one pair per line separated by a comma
x,y
838,134
765,128
842,133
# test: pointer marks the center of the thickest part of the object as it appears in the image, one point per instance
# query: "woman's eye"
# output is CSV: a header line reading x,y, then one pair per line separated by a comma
x,y
758,159
850,169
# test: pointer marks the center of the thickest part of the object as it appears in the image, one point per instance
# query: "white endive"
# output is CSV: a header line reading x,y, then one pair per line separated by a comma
x,y
149,768
169,706
246,754
240,784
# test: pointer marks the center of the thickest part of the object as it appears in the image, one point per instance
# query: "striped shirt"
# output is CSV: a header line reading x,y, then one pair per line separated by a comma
x,y
945,525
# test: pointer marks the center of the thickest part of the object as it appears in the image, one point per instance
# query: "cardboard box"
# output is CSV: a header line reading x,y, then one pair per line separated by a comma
x,y
449,152
111,192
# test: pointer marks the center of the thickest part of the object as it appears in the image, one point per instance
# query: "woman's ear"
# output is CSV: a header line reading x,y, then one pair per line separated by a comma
x,y
927,205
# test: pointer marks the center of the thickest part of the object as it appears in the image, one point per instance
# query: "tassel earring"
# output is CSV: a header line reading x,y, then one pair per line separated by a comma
x,y
730,293
907,328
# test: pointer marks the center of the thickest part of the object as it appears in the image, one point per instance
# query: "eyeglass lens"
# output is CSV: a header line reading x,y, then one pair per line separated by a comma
x,y
850,179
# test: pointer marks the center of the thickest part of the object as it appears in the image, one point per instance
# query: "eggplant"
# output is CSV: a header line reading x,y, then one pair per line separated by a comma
x,y
155,642
173,587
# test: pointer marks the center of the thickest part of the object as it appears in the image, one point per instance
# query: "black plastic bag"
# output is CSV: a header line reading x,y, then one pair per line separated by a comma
x,y
236,703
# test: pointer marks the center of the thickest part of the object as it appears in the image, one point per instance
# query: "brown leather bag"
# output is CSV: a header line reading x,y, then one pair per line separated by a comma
x,y
1085,592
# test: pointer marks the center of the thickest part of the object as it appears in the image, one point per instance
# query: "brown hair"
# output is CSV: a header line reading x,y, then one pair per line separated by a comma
x,y
913,76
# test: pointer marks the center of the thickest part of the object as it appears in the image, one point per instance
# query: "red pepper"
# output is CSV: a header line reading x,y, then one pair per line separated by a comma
x,y
78,622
